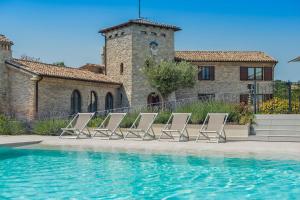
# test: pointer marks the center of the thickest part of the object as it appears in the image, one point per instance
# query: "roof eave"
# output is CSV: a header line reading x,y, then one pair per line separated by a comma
x,y
193,60
105,30
79,79
19,66
295,60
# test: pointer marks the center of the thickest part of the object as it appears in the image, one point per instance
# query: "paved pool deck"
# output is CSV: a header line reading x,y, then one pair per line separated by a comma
x,y
264,150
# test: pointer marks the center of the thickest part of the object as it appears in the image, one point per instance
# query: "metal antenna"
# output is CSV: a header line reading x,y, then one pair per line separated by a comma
x,y
139,9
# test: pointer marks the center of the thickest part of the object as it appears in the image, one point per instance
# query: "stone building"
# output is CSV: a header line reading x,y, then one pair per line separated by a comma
x,y
31,89
229,75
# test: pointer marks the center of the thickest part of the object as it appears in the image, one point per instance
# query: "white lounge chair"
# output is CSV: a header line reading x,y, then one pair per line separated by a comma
x,y
142,126
177,123
77,125
213,127
109,126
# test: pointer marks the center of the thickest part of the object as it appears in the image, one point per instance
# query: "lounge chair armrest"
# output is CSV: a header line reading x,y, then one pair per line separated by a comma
x,y
168,130
204,131
101,129
134,129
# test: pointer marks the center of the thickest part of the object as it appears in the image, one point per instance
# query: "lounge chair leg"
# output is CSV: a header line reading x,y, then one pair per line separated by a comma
x,y
61,134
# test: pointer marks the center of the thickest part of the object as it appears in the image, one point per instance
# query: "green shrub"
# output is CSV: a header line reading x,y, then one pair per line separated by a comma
x,y
49,127
162,117
129,119
242,114
10,126
95,122
199,110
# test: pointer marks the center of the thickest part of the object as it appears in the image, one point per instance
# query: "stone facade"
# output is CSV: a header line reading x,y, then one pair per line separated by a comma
x,y
118,51
130,46
227,84
21,95
55,95
5,53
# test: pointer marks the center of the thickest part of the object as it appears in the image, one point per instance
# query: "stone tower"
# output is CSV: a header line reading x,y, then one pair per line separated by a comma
x,y
127,46
5,53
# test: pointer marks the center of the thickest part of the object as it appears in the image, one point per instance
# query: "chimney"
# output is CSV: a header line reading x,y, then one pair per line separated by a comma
x,y
5,54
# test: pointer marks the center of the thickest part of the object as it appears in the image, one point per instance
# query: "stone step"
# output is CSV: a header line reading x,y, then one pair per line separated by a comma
x,y
277,127
290,122
268,138
261,132
279,116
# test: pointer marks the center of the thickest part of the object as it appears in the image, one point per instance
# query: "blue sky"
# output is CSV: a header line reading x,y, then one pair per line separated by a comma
x,y
67,30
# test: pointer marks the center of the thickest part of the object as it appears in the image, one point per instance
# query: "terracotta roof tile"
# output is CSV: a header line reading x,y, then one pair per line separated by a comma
x,y
141,22
4,39
96,68
51,70
224,56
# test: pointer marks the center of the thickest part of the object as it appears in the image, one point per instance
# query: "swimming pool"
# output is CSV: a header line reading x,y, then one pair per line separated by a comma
x,y
55,174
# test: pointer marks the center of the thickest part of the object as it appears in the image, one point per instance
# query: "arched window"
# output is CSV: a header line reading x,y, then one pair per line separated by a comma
x,y
75,102
109,101
121,68
93,102
153,99
121,99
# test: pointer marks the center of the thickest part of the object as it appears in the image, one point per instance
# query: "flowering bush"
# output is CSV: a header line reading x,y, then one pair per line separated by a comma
x,y
278,106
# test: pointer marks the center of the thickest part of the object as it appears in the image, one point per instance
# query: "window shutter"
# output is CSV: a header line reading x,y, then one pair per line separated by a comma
x,y
243,73
212,73
199,73
268,73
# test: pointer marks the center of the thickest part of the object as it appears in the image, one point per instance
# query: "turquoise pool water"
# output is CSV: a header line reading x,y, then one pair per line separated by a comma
x,y
54,174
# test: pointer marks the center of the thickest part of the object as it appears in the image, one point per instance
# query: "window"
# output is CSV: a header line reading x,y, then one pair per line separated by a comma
x,y
121,99
251,73
144,32
256,73
122,33
259,73
153,33
206,73
121,68
153,100
93,102
110,36
116,35
109,101
163,35
206,97
75,102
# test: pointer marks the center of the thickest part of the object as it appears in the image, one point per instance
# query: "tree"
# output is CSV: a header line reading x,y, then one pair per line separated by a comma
x,y
169,76
60,64
281,90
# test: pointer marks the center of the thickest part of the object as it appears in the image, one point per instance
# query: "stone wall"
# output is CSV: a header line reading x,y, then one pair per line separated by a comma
x,y
119,50
4,54
141,51
21,95
227,84
55,95
131,46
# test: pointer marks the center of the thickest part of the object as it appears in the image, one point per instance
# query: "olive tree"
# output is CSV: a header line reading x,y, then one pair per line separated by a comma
x,y
169,76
